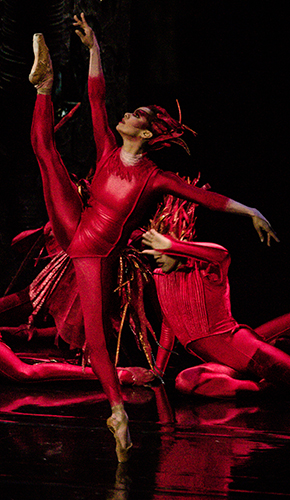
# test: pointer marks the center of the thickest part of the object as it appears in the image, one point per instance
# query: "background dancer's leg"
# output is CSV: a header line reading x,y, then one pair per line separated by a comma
x,y
243,352
276,328
13,368
15,308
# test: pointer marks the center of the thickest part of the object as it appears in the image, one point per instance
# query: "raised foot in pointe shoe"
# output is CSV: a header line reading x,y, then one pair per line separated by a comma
x,y
118,428
41,74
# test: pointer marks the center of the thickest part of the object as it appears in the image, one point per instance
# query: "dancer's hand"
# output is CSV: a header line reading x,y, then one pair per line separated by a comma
x,y
156,241
86,33
261,224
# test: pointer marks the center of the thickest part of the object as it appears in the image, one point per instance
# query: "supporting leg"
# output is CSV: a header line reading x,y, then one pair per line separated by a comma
x,y
94,282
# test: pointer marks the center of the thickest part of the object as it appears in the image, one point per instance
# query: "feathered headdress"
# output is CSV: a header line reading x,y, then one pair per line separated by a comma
x,y
133,275
176,217
166,130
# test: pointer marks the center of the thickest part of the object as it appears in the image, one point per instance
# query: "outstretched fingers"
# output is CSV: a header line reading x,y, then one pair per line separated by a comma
x,y
81,22
85,32
261,224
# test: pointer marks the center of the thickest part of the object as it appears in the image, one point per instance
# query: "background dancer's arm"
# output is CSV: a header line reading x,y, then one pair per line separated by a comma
x,y
208,252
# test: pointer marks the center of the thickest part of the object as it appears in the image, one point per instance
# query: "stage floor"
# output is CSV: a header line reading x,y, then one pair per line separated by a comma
x,y
55,445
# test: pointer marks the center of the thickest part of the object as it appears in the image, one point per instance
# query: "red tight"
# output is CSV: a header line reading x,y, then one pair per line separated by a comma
x,y
64,209
13,368
63,204
243,352
275,328
231,358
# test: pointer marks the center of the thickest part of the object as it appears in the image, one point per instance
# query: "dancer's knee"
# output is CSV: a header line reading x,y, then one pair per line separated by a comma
x,y
272,364
212,380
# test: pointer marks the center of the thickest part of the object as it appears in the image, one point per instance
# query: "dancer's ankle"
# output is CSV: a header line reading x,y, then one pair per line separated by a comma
x,y
118,411
43,91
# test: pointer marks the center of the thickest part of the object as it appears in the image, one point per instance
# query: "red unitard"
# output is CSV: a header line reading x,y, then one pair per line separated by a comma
x,y
196,309
120,197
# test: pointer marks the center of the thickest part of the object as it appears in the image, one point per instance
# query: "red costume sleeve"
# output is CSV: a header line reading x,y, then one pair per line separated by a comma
x,y
103,135
209,252
170,183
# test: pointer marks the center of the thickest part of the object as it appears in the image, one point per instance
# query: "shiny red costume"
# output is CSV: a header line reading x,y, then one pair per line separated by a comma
x,y
120,197
195,302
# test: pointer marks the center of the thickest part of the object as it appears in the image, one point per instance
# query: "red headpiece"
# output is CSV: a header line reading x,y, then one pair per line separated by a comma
x,y
176,217
167,130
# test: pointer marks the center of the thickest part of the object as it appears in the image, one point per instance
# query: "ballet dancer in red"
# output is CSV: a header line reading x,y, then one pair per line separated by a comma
x,y
193,291
125,186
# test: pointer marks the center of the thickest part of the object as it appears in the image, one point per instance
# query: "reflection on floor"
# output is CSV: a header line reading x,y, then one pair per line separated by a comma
x,y
55,445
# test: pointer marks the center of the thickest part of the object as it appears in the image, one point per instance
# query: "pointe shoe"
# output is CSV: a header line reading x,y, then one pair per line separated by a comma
x,y
41,74
123,454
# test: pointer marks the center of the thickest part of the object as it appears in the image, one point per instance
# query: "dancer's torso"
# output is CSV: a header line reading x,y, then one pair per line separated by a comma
x,y
120,196
195,303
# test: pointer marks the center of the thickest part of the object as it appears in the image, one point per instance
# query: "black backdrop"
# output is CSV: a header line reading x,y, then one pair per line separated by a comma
x,y
225,61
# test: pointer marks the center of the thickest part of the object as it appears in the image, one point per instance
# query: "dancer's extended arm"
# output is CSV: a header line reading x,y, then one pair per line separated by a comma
x,y
169,183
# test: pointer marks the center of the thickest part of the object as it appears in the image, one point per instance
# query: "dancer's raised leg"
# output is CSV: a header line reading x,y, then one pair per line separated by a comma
x,y
63,203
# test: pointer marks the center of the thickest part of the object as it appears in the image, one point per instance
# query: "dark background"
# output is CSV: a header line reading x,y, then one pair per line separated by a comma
x,y
225,61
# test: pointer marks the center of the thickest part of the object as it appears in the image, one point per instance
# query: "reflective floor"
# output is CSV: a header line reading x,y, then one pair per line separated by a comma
x,y
55,445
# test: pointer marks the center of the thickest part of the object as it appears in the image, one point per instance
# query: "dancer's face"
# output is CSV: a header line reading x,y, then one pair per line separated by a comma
x,y
136,124
166,262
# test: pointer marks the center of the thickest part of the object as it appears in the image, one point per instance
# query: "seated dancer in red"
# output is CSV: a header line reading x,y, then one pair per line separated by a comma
x,y
194,295
125,188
